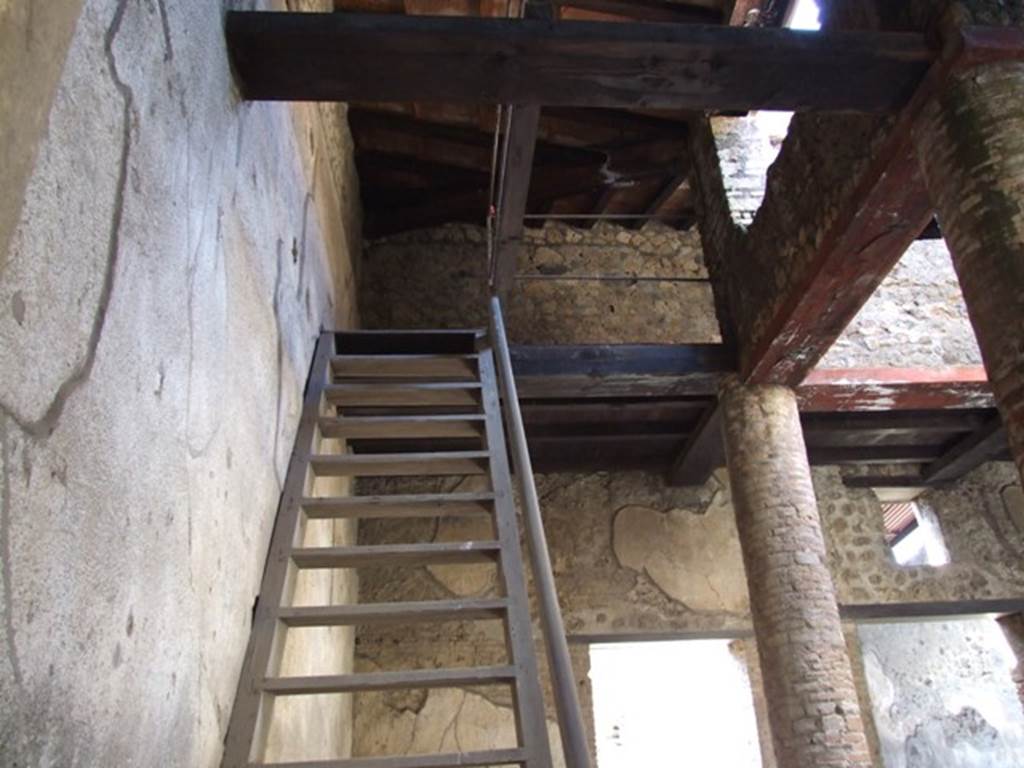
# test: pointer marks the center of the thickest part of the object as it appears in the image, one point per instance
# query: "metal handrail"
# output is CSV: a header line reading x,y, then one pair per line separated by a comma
x,y
563,681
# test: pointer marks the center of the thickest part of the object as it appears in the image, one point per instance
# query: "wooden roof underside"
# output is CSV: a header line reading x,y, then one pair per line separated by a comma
x,y
425,164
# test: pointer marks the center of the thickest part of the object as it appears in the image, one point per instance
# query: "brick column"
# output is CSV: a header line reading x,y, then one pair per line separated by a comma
x,y
970,141
812,700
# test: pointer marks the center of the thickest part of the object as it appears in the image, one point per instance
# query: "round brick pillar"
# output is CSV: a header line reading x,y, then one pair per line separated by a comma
x,y
970,141
812,701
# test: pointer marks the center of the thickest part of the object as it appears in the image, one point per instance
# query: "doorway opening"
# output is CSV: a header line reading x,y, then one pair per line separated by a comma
x,y
670,704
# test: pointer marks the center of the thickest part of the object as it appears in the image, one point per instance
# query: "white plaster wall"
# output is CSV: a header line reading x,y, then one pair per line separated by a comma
x,y
942,695
176,254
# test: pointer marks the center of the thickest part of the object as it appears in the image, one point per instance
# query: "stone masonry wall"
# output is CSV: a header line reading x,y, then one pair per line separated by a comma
x,y
437,279
634,558
758,257
916,318
174,254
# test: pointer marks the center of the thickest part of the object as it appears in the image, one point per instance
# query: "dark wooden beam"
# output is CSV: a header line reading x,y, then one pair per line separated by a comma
x,y
969,453
703,452
885,214
740,14
461,146
661,197
643,10
895,389
352,57
908,481
894,423
620,370
938,611
872,454
614,413
888,209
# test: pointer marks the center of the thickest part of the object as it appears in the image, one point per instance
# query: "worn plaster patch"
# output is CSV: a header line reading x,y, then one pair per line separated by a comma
x,y
465,580
449,720
694,559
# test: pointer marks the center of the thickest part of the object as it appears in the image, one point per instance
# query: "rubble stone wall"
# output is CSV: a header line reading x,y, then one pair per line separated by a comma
x,y
576,286
636,559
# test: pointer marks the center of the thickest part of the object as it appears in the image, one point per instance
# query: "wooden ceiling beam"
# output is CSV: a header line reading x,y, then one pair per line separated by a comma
x,y
638,10
887,210
886,214
894,389
412,208
969,453
744,12
399,134
354,57
620,370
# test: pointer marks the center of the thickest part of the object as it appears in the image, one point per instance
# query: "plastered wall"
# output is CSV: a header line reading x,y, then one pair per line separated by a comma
x,y
173,254
634,559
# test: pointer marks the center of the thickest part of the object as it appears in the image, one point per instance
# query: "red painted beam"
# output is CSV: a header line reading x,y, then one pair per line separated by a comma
x,y
895,389
888,210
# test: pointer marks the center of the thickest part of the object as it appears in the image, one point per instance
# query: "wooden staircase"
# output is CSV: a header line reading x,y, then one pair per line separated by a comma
x,y
381,389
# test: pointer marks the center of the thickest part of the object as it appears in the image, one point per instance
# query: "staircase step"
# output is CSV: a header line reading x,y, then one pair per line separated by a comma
x,y
393,613
400,464
374,427
453,760
400,506
454,367
432,393
389,681
409,342
434,553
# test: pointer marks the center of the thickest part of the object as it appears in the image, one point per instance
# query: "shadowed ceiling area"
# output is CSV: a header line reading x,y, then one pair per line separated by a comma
x,y
425,164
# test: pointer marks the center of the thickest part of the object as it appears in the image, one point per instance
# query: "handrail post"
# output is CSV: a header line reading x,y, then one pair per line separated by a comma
x,y
563,682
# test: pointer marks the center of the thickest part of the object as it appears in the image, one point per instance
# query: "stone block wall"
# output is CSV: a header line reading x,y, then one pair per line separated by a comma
x,y
173,256
437,279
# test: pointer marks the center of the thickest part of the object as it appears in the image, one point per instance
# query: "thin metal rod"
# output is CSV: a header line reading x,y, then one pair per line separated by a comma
x,y
607,216
612,278
563,681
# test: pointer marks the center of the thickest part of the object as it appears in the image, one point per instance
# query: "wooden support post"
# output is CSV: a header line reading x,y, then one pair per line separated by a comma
x,y
703,453
517,164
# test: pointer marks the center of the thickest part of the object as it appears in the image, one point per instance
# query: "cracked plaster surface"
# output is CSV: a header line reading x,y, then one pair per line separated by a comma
x,y
159,348
942,694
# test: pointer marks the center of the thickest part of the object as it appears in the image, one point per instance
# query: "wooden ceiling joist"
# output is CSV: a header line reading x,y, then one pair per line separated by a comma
x,y
355,57
663,11
894,389
969,453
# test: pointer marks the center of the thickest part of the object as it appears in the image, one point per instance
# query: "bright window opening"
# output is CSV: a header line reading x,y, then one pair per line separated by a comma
x,y
914,534
805,15
673,705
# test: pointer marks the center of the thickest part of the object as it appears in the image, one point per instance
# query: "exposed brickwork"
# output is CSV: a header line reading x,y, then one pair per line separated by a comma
x,y
971,143
814,713
757,269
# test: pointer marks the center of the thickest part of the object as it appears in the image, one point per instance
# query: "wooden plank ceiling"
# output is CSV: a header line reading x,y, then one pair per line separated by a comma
x,y
425,164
